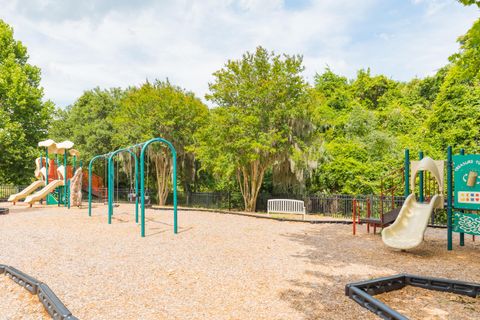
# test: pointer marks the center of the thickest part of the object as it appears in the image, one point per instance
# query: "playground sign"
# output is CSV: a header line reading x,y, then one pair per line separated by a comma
x,y
466,223
466,169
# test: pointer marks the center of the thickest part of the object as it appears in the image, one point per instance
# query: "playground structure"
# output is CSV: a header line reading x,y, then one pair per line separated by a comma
x,y
391,184
403,227
139,177
40,173
53,177
463,196
242,242
412,221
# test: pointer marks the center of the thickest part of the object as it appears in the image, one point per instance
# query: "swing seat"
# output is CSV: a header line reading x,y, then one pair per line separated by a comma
x,y
147,201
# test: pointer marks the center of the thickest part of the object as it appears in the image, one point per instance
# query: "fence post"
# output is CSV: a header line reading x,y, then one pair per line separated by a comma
x,y
354,211
229,200
368,214
449,198
462,235
407,173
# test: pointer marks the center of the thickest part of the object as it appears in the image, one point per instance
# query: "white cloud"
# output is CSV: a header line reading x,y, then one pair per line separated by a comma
x,y
79,46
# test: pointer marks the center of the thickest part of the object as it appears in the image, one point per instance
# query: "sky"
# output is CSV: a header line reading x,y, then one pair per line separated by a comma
x,y
80,45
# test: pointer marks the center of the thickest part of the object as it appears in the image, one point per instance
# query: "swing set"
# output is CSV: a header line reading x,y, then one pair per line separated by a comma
x,y
139,162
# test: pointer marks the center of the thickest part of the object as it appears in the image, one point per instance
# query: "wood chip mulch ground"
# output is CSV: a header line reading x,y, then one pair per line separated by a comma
x,y
218,267
18,303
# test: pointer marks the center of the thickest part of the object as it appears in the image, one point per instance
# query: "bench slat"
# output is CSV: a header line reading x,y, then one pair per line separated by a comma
x,y
286,206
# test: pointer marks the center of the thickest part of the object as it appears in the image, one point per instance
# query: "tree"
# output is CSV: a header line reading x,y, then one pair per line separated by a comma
x,y
456,112
470,2
258,120
334,88
24,118
161,109
363,138
370,90
88,122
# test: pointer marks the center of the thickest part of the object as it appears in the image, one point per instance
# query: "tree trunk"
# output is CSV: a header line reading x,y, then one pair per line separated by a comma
x,y
163,170
250,178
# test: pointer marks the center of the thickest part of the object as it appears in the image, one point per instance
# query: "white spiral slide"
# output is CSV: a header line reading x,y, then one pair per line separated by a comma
x,y
412,221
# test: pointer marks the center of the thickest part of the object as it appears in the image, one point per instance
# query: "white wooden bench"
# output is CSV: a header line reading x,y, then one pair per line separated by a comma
x,y
286,206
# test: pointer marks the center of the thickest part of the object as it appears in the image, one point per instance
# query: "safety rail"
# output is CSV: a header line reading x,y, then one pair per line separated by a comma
x,y
391,191
55,308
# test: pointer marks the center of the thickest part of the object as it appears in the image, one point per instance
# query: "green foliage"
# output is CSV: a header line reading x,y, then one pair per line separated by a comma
x,y
24,118
88,122
258,121
162,110
456,112
370,90
470,2
337,135
366,138
334,88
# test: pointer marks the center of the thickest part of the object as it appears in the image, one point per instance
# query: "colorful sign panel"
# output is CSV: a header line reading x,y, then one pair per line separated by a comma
x,y
466,223
466,171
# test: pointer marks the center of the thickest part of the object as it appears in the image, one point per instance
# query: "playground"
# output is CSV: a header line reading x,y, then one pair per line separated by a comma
x,y
218,266
133,261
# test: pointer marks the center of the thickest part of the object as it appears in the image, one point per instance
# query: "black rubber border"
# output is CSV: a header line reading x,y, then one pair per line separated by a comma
x,y
55,308
362,292
4,211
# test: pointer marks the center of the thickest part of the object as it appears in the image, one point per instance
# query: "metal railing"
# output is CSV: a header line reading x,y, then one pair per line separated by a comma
x,y
7,190
330,205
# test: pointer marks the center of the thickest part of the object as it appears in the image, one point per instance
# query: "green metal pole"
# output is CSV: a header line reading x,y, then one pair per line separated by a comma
x,y
111,182
449,198
74,164
407,173
46,166
174,182
142,191
68,198
136,188
58,188
420,184
65,188
462,235
90,187
110,188
90,166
